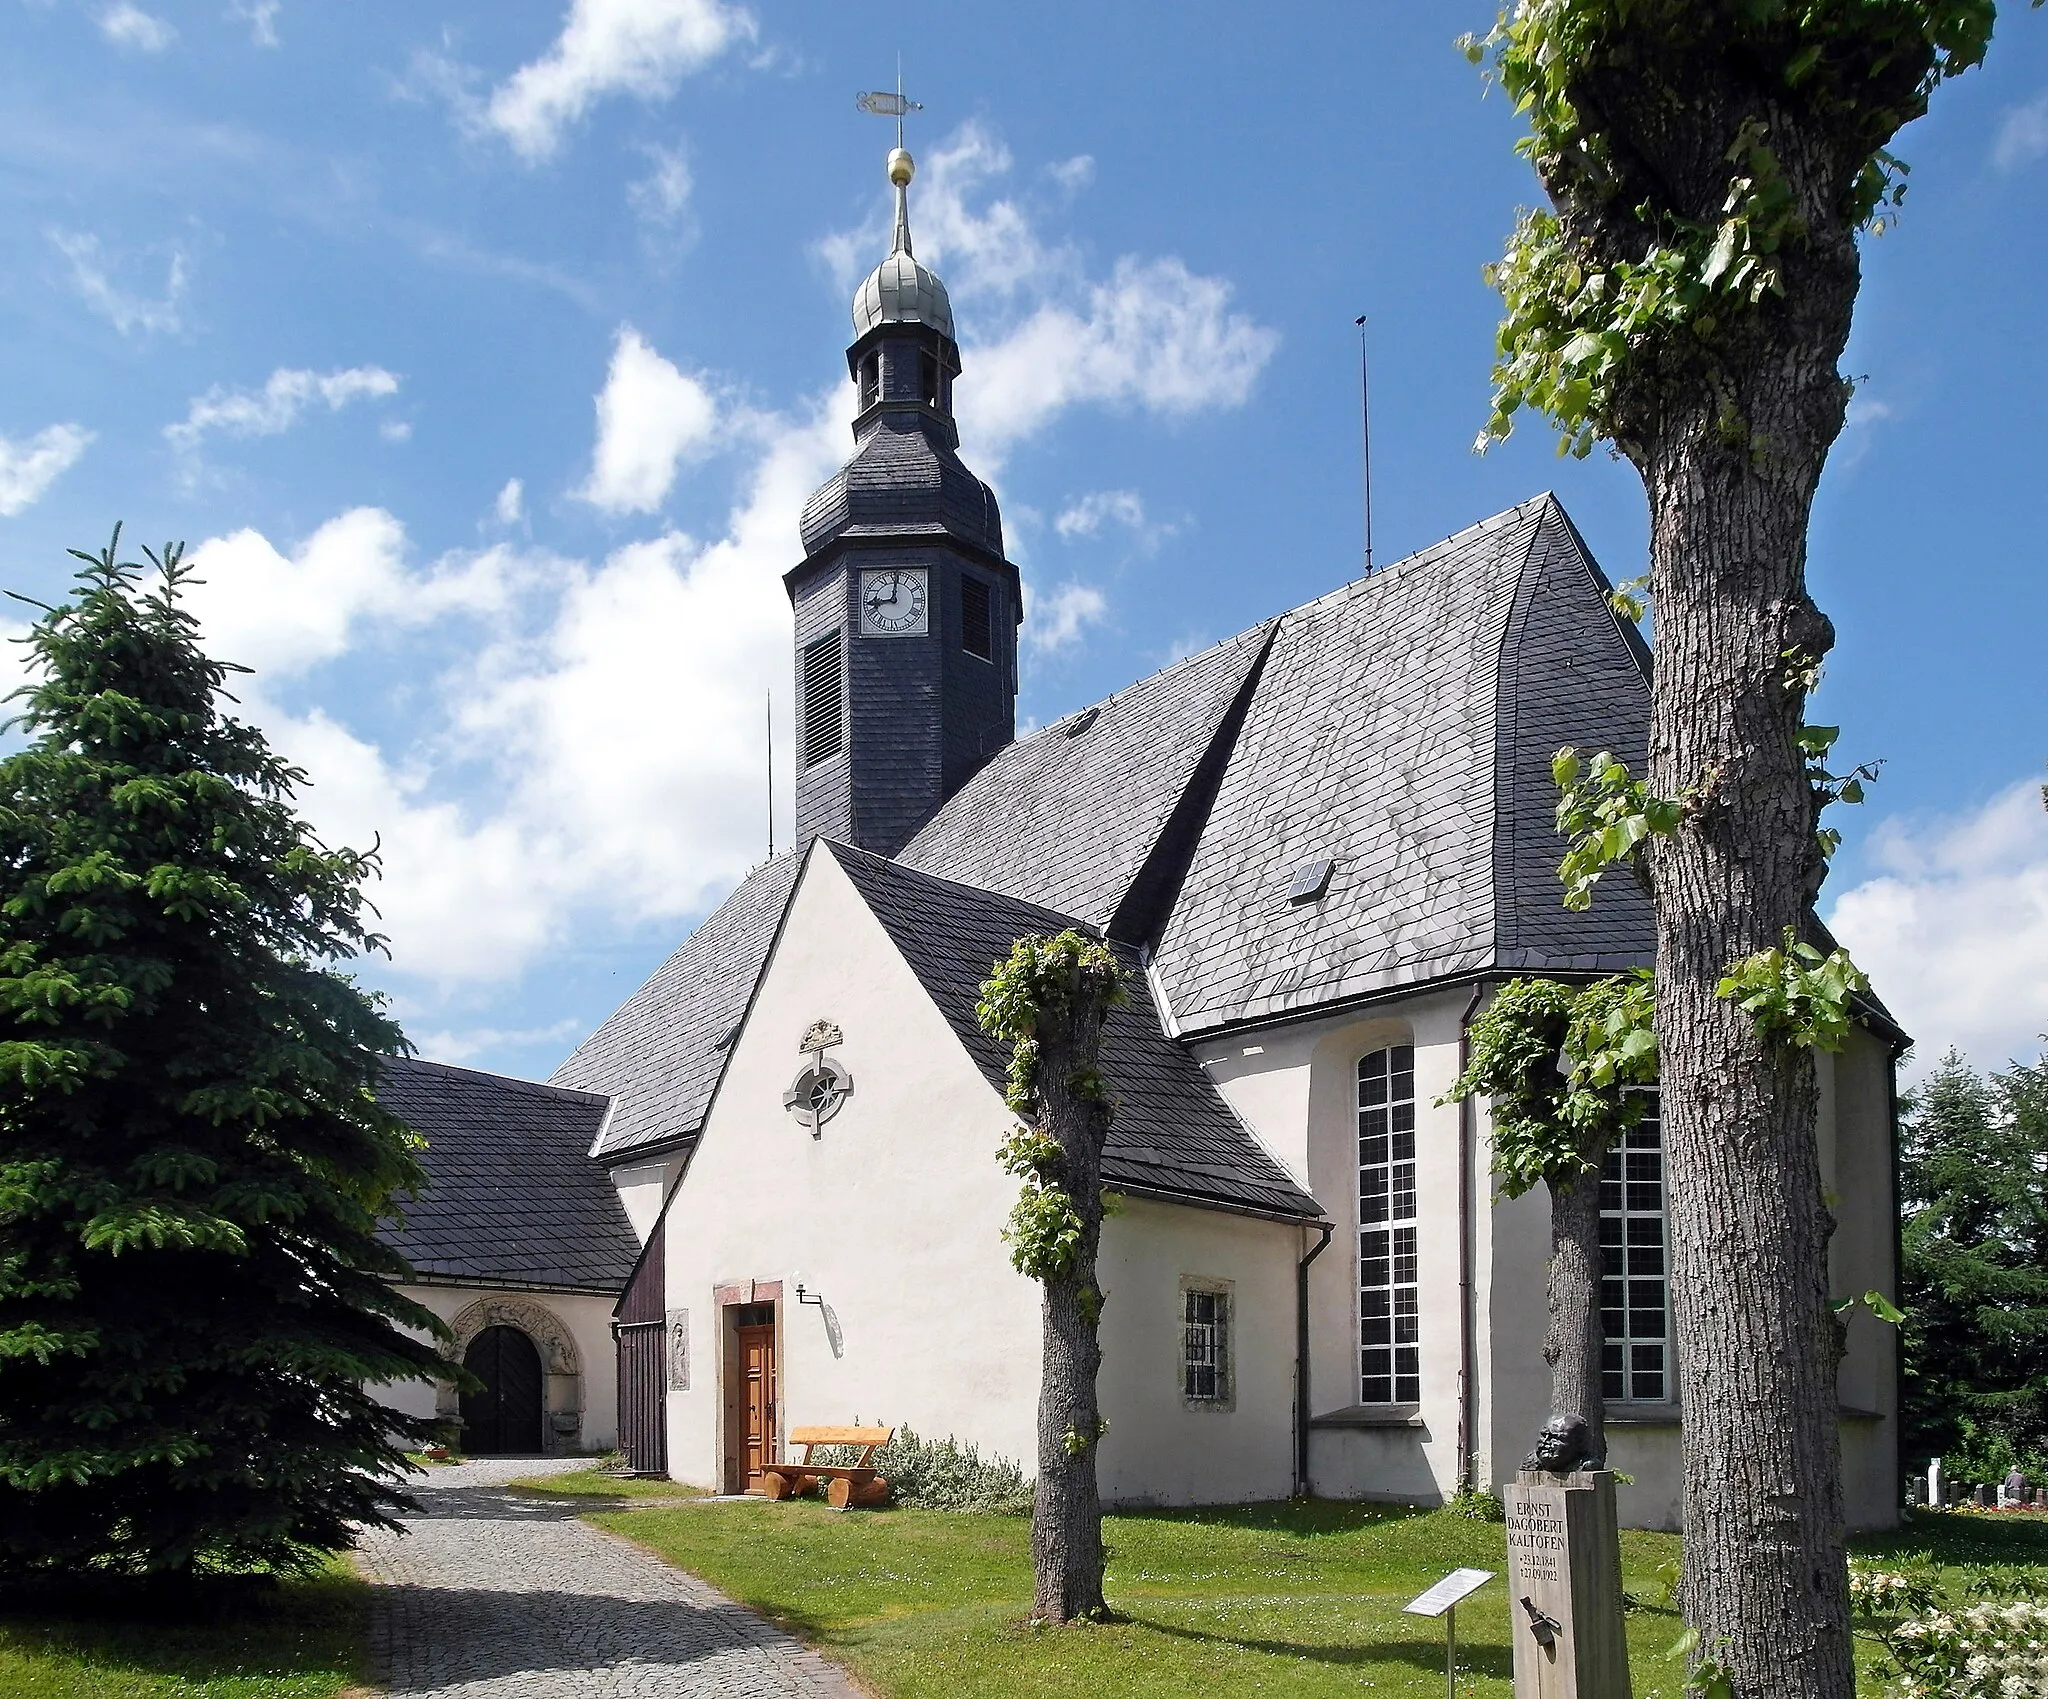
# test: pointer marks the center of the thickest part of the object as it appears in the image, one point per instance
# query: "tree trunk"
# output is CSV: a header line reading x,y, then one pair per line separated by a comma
x,y
1066,1511
1730,475
1573,1345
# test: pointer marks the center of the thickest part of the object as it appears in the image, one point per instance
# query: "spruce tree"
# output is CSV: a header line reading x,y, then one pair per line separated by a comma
x,y
1973,1174
193,1163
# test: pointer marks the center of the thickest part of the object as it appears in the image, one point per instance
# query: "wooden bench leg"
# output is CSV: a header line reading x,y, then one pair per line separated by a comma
x,y
775,1484
845,1492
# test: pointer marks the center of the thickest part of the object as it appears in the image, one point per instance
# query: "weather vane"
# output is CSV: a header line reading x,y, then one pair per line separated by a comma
x,y
883,104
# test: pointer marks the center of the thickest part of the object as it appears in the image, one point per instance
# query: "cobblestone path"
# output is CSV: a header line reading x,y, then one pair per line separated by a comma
x,y
495,1596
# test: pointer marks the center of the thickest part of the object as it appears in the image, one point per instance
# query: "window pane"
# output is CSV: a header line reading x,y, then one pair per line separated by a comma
x,y
1389,1307
1634,1294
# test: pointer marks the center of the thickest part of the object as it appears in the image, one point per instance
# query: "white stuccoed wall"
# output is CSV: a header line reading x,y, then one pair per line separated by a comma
x,y
588,1321
893,1215
1294,1085
642,1189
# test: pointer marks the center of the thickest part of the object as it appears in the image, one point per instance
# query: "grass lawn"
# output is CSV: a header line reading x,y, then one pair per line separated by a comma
x,y
305,1641
596,1483
1284,1599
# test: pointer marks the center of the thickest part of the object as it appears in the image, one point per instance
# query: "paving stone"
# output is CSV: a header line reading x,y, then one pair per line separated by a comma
x,y
489,1595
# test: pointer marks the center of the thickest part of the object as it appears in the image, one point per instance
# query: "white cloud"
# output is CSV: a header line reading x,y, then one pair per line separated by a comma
x,y
276,407
282,614
1154,335
1088,514
27,469
395,430
650,418
127,312
260,16
596,758
2022,135
1056,620
460,1047
663,195
1953,928
510,506
1074,174
639,47
128,25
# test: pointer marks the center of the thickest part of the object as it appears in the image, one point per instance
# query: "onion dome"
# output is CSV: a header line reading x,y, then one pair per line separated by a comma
x,y
899,290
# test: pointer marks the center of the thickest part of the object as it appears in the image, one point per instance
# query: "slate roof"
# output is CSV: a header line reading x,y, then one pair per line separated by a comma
x,y
1403,726
512,1197
661,1054
1173,1136
906,479
1070,816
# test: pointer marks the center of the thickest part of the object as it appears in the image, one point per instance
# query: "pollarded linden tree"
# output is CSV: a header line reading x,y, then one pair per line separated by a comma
x,y
1685,297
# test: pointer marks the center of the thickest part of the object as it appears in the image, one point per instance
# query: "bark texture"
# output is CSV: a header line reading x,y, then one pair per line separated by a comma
x,y
1729,424
1066,1511
1573,1345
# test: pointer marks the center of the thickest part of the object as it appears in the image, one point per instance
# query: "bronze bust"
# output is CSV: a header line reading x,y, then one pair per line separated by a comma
x,y
1564,1443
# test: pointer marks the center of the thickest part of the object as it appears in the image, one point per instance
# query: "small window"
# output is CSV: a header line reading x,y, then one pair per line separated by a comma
x,y
928,379
870,381
977,622
824,700
753,1315
1205,1355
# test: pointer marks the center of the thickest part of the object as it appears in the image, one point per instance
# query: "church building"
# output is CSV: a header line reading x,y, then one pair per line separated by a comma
x,y
764,1194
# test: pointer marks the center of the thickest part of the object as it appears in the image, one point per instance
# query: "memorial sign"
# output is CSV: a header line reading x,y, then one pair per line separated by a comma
x,y
1442,1600
1564,1584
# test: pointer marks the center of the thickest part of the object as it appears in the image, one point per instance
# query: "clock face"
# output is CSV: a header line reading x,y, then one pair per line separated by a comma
x,y
895,602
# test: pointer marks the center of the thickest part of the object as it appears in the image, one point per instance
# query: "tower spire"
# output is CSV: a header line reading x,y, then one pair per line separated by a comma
x,y
901,169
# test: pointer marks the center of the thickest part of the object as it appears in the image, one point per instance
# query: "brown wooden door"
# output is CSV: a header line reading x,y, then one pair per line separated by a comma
x,y
756,1356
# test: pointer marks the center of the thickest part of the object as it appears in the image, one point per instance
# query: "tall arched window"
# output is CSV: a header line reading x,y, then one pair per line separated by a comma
x,y
1390,1352
1635,1286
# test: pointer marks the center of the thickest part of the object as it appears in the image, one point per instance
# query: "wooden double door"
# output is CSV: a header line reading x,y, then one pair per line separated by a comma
x,y
502,1416
751,1395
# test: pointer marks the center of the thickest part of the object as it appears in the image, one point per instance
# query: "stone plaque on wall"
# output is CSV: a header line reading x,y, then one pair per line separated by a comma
x,y
679,1350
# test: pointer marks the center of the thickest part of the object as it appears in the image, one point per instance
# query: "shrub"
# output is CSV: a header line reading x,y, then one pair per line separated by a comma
x,y
1978,1652
943,1474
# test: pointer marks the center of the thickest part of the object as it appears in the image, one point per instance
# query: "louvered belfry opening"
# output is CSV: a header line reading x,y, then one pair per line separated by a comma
x,y
977,625
824,698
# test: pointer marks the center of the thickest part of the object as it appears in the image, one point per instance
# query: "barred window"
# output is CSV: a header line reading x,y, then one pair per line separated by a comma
x,y
1390,1352
824,700
1206,1354
1634,1286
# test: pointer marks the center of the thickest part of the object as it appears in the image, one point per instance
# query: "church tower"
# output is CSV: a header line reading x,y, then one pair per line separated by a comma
x,y
906,609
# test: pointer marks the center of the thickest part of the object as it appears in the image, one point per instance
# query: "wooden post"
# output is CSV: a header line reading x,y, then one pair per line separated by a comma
x,y
1564,1586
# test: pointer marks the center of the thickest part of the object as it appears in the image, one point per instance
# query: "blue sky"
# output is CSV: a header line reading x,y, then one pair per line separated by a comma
x,y
485,353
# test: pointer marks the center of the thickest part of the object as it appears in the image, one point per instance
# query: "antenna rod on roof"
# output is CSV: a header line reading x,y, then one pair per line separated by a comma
x,y
1365,432
771,774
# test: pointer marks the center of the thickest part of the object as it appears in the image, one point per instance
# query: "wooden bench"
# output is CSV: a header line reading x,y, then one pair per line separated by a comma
x,y
845,1484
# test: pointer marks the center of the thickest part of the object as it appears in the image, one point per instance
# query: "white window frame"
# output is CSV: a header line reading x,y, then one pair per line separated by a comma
x,y
1221,1342
1636,1365
1389,1239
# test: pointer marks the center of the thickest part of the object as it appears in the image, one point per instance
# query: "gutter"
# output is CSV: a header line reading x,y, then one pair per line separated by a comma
x,y
1466,1373
1891,1096
1301,1399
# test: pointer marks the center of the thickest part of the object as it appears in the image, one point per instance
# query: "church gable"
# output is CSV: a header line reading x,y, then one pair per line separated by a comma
x,y
1173,1137
661,1054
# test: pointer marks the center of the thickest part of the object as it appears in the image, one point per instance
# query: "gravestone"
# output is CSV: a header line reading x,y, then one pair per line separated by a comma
x,y
1983,1498
1916,1491
1935,1495
2041,1498
1564,1574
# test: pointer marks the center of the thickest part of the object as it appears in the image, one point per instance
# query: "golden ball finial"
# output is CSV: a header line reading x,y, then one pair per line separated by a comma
x,y
901,167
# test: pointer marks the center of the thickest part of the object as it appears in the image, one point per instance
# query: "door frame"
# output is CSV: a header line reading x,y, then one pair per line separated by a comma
x,y
732,1420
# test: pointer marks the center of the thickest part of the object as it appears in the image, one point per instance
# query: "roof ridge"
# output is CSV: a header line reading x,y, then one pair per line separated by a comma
x,y
842,850
518,1080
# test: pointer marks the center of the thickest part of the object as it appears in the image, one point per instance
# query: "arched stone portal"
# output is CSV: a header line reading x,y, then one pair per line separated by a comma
x,y
560,1365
